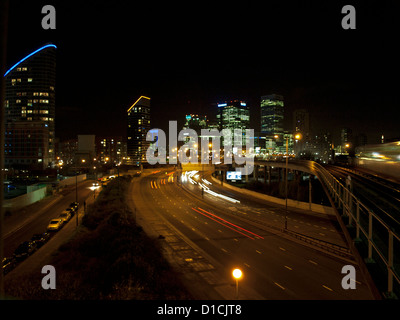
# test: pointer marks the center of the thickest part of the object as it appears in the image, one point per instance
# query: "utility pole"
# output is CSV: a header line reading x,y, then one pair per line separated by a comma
x,y
286,180
3,52
76,199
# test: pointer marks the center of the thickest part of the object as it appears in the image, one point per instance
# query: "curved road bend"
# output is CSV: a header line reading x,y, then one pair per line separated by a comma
x,y
273,267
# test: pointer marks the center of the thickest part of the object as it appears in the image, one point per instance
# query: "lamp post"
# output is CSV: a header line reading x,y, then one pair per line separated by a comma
x,y
76,199
297,137
237,274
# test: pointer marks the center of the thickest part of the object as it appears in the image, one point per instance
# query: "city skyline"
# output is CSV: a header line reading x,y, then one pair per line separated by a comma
x,y
318,69
211,151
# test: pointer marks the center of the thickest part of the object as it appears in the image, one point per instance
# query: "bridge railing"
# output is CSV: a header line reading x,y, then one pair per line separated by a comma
x,y
374,238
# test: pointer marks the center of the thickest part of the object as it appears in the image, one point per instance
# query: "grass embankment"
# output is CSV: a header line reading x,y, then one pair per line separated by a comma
x,y
109,257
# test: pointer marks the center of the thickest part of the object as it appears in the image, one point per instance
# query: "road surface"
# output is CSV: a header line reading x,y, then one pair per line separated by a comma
x,y
208,237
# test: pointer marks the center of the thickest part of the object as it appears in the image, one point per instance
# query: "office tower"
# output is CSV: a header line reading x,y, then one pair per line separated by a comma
x,y
233,115
138,125
30,109
272,108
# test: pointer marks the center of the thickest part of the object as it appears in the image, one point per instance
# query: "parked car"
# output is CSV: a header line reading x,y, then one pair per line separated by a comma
x,y
72,211
8,264
55,224
65,216
24,250
40,238
74,205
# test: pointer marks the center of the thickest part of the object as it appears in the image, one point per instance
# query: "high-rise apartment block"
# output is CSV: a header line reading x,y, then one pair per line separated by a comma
x,y
138,126
30,110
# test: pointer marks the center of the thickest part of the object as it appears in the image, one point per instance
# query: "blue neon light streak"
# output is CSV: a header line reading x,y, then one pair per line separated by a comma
x,y
28,56
222,105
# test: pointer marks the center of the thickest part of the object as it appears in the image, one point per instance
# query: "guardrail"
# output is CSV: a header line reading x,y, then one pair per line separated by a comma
x,y
367,229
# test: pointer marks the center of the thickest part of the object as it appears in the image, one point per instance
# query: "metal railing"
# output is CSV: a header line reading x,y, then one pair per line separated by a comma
x,y
365,227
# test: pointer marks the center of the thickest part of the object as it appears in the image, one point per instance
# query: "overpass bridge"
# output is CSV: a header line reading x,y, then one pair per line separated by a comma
x,y
370,236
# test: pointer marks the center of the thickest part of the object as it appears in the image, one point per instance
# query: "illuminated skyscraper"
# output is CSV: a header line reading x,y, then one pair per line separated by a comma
x,y
30,110
272,108
138,125
234,115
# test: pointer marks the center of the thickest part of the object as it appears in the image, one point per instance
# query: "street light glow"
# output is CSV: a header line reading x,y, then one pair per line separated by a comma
x,y
237,274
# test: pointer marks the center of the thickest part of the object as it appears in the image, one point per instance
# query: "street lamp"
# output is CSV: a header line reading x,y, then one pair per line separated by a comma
x,y
297,136
237,274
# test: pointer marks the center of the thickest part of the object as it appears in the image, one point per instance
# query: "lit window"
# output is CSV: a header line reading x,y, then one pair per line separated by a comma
x,y
30,79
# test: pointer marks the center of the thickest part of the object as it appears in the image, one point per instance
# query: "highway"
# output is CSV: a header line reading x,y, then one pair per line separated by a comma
x,y
227,235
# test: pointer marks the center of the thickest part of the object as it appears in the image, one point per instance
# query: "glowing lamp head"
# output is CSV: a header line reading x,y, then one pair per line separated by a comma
x,y
297,136
237,274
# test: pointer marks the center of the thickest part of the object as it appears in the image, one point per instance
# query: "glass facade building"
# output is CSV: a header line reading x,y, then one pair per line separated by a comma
x,y
272,108
234,115
30,109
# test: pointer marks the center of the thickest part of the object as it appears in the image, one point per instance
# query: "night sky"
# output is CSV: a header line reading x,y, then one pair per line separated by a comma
x,y
188,55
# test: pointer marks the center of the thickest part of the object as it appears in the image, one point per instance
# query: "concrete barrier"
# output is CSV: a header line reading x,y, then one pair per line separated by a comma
x,y
291,203
25,199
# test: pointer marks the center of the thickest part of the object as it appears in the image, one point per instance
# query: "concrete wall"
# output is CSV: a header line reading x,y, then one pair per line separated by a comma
x,y
291,203
26,199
